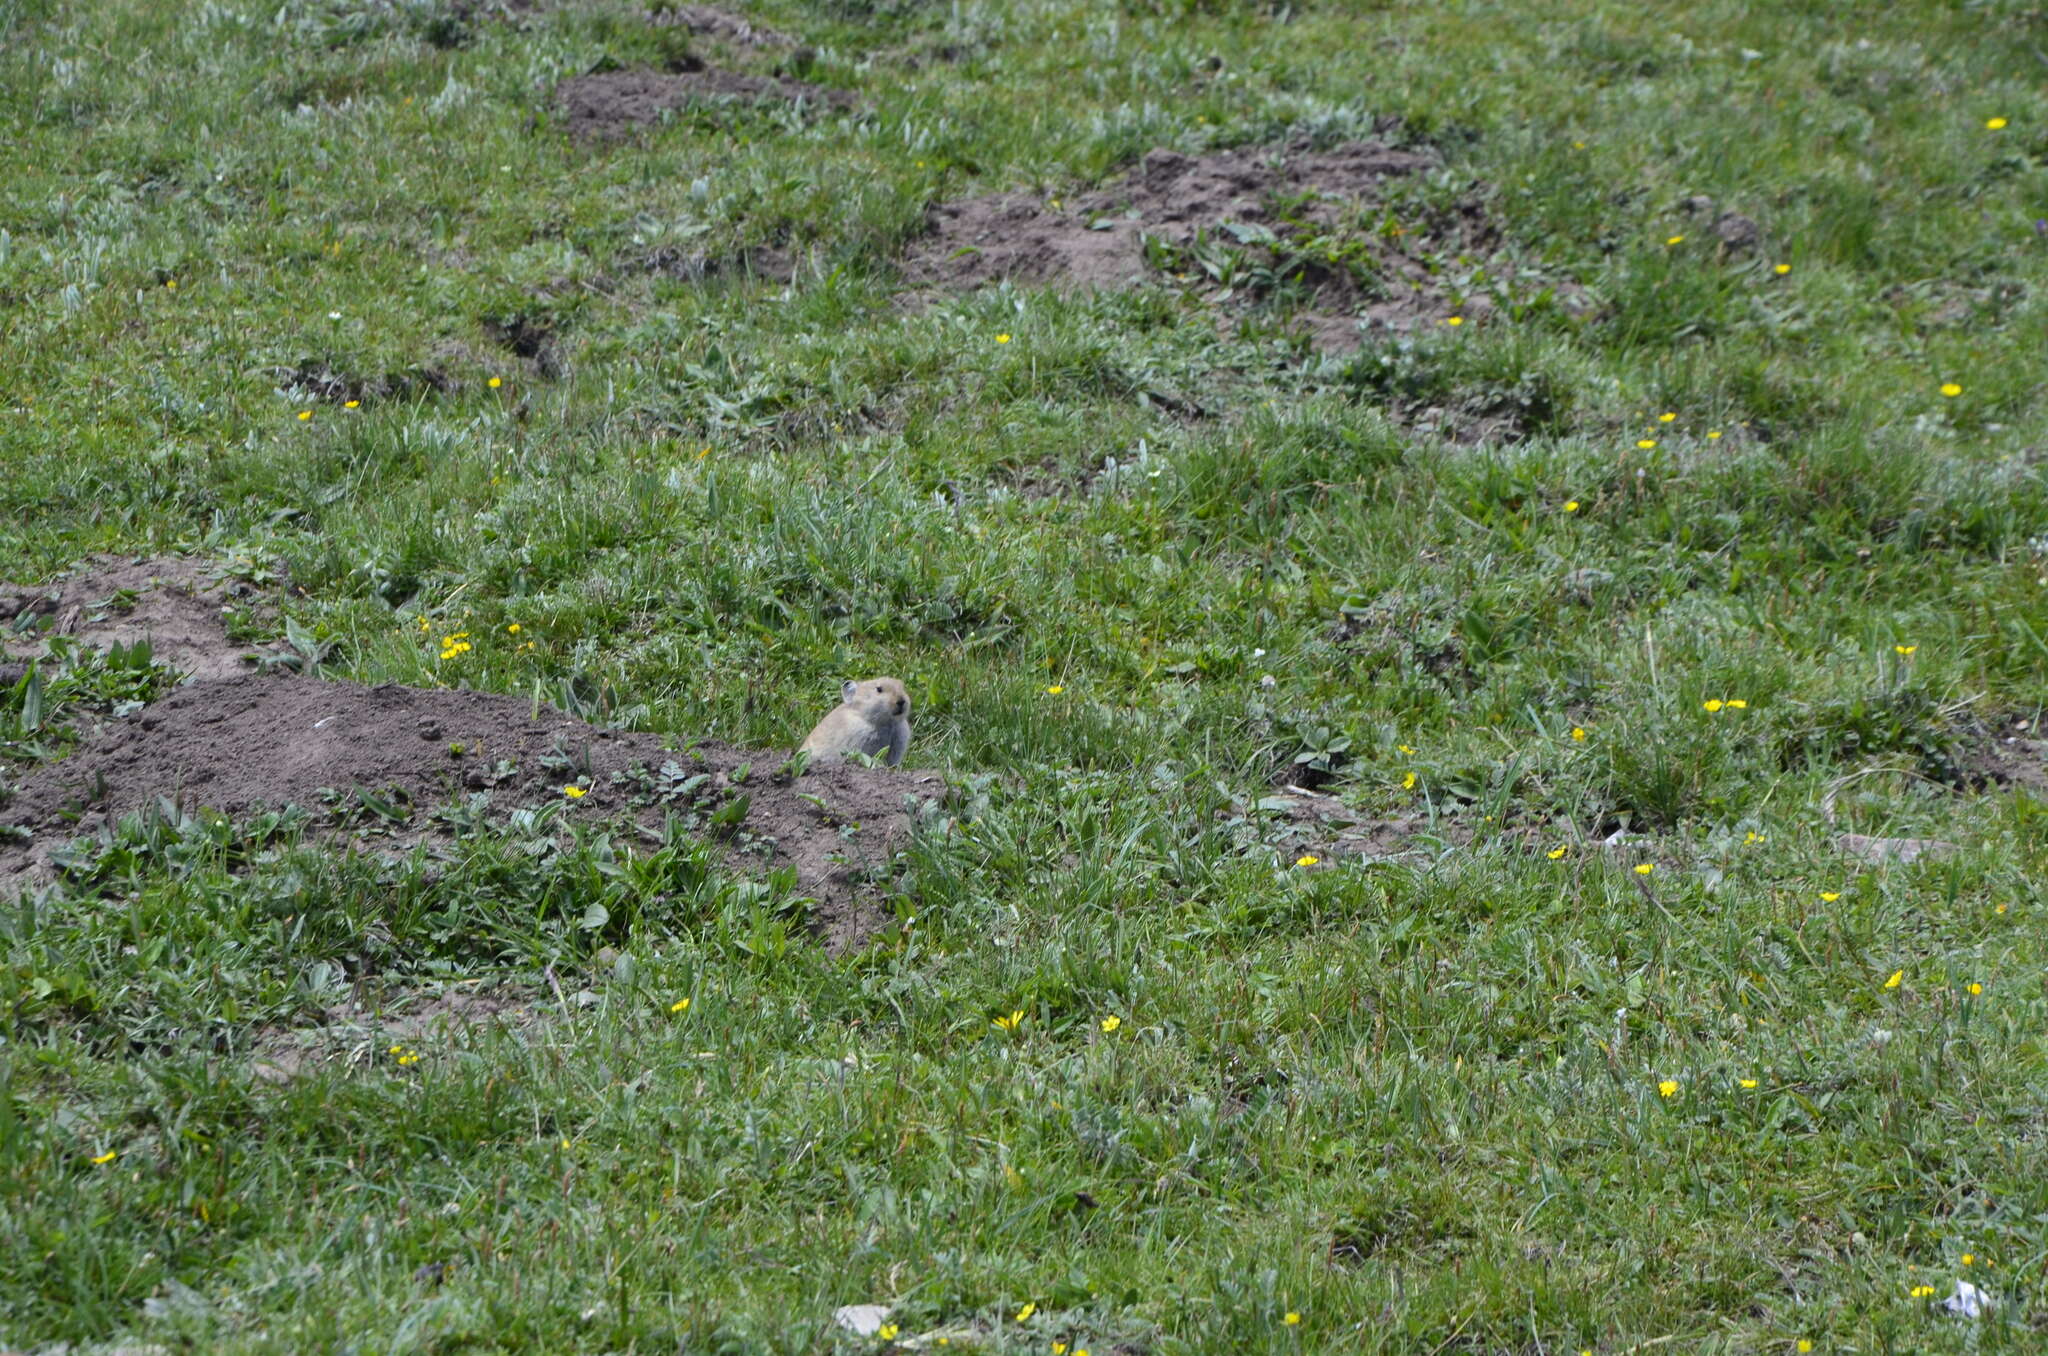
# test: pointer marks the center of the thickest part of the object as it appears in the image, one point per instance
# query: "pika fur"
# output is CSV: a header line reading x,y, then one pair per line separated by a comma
x,y
873,714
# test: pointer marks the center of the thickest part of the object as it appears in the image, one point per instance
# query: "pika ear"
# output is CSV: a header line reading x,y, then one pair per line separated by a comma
x,y
847,689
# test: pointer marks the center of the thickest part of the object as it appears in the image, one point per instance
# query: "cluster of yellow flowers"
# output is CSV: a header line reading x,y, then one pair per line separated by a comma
x,y
403,1056
454,644
1714,704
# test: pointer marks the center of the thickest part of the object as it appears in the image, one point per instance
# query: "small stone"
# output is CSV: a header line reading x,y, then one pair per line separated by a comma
x,y
1737,231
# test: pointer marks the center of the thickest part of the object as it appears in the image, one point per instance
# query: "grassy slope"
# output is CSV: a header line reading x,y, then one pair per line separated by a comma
x,y
1416,1104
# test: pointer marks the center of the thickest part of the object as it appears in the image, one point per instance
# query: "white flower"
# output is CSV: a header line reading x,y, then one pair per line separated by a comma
x,y
1968,1301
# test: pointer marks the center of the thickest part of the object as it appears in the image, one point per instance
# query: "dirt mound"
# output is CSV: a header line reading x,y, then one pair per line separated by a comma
x,y
179,606
371,763
609,103
1236,224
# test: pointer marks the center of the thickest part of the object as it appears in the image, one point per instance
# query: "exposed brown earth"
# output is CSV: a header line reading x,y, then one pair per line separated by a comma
x,y
610,103
1388,280
179,606
238,745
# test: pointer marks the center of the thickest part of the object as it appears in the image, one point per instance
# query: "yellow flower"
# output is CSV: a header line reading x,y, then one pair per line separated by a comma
x,y
1713,433
494,383
1975,988
171,283
1781,269
1454,320
1904,649
106,1158
1011,1022
575,792
1292,1320
1579,733
1747,1083
1408,782
1752,838
1055,690
1646,443
887,1332
1711,705
1830,896
1307,859
513,629
1951,389
1405,749
1893,982
1667,416
1112,1022
1578,145
1027,1311
1645,868
1668,1088
1994,124
1676,240
1059,1349
1922,1291
1999,909
1737,704
1805,1345
1002,338
351,404
680,1005
1571,506
1555,852
1969,1259
304,415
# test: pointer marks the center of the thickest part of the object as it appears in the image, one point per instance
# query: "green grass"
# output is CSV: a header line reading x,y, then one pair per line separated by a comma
x,y
1414,1102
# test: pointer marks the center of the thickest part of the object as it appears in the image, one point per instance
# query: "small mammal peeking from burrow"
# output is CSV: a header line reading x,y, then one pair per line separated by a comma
x,y
873,714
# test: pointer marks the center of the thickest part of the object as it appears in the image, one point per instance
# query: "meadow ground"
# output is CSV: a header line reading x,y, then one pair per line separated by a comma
x,y
1475,579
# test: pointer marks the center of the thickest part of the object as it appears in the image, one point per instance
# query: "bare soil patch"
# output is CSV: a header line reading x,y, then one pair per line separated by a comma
x,y
764,262
610,103
1235,225
2010,760
1300,823
722,25
529,337
316,379
179,606
371,763
359,1033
